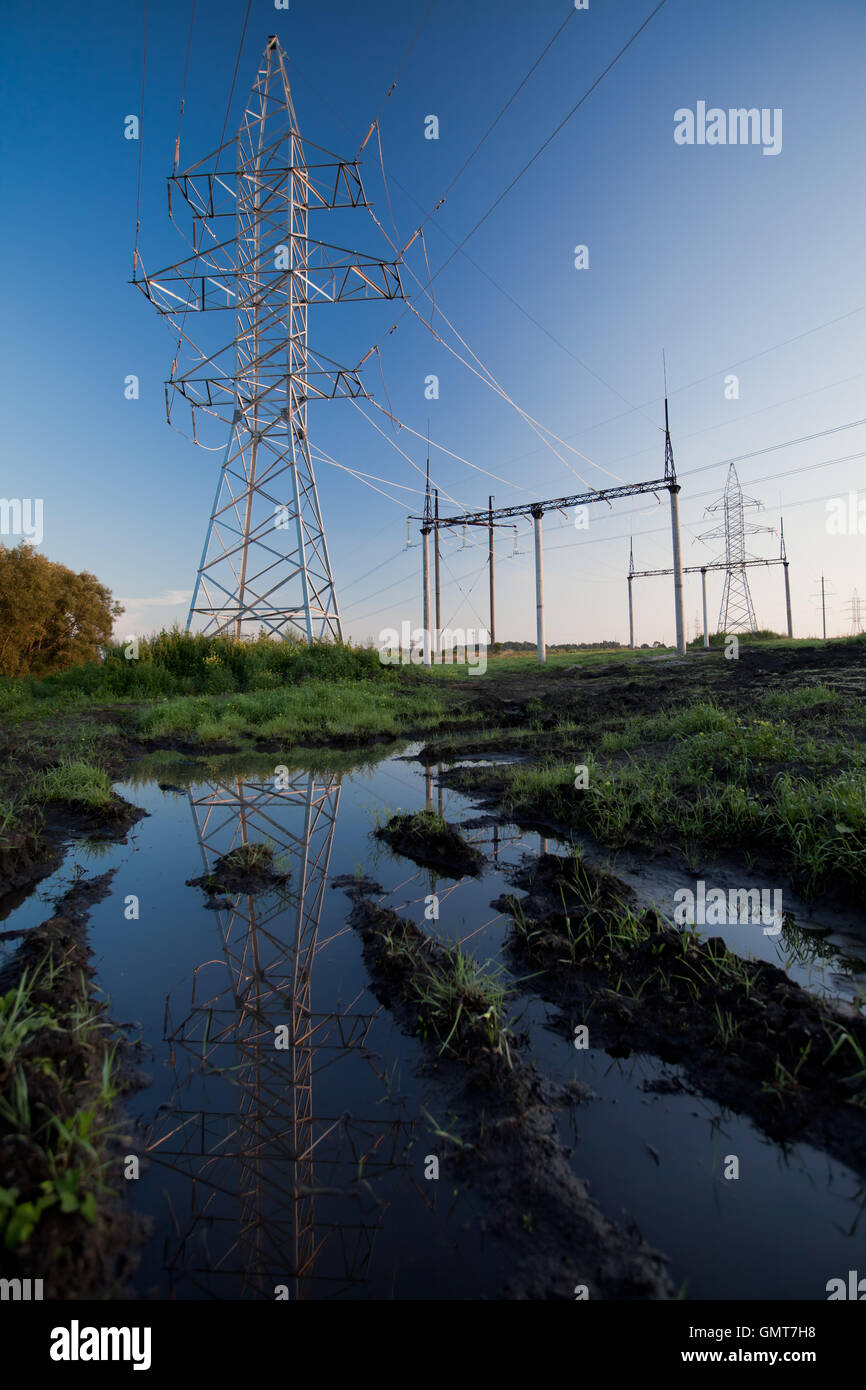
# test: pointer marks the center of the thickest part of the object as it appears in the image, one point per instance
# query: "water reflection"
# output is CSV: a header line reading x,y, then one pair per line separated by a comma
x,y
279,1193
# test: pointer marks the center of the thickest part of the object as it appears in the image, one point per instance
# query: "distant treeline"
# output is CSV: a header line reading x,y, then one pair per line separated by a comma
x,y
558,646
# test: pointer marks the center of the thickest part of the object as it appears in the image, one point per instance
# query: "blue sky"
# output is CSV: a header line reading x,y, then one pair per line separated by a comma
x,y
730,260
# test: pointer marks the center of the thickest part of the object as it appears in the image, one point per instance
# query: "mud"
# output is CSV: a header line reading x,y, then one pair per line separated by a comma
x,y
248,868
432,844
746,1037
555,1241
88,1250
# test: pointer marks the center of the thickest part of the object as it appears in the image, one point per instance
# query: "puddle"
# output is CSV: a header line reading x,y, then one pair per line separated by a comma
x,y
302,1167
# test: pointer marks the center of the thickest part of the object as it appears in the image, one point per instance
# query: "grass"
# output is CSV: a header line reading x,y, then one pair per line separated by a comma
x,y
317,711
75,781
55,1107
722,779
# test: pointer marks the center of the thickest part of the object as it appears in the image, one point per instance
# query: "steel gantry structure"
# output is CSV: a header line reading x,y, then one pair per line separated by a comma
x,y
490,517
724,565
265,563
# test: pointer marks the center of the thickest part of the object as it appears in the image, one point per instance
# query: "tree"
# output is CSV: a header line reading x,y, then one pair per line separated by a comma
x,y
50,617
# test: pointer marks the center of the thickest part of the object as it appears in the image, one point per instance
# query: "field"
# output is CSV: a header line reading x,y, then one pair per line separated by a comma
x,y
651,775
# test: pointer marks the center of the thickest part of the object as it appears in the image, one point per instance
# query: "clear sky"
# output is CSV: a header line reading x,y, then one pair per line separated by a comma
x,y
733,261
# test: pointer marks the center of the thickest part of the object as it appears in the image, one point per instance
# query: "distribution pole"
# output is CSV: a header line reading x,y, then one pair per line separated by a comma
x,y
823,609
784,556
437,639
630,595
704,597
537,514
673,489
425,532
490,555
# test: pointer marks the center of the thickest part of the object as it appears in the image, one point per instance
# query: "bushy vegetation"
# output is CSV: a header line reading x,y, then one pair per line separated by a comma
x,y
180,663
50,617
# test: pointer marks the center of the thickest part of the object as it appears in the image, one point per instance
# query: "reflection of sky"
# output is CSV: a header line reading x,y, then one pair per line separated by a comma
x,y
706,251
777,1232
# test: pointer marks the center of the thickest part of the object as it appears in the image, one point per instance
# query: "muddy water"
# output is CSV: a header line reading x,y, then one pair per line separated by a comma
x,y
302,1168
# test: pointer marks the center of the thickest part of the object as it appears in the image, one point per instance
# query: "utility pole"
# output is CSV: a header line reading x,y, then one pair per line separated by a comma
x,y
784,557
823,608
436,574
704,598
673,489
490,555
537,514
425,532
630,595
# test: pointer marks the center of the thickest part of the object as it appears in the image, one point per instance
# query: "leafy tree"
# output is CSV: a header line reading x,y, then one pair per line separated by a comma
x,y
50,617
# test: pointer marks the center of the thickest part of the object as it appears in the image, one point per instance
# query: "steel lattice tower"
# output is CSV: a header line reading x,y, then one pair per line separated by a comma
x,y
240,1126
737,613
265,563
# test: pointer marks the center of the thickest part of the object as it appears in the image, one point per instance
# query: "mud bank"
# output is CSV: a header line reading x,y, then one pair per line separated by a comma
x,y
744,1034
64,1217
556,1244
434,843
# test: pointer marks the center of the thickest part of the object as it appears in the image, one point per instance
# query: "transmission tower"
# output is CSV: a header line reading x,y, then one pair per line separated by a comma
x,y
265,563
737,613
855,607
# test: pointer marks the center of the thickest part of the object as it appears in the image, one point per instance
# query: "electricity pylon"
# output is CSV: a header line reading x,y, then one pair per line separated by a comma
x,y
240,1129
265,563
855,605
737,613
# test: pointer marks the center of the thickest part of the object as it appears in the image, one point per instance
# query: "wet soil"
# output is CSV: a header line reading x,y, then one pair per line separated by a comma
x,y
557,1243
248,868
88,1250
432,843
747,1037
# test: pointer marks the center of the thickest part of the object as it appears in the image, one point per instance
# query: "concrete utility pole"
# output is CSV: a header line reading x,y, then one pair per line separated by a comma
x,y
674,490
438,636
704,598
504,516
630,595
490,558
784,558
823,609
539,586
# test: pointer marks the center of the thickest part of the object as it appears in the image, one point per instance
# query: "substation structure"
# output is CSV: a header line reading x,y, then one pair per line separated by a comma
x,y
726,567
492,517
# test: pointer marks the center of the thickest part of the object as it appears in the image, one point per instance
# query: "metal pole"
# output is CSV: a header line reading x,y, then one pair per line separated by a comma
x,y
788,600
425,532
537,514
704,597
490,555
823,608
630,616
436,651
678,569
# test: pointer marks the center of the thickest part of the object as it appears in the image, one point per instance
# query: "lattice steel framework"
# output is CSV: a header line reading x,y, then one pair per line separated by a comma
x,y
737,612
265,563
240,1125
